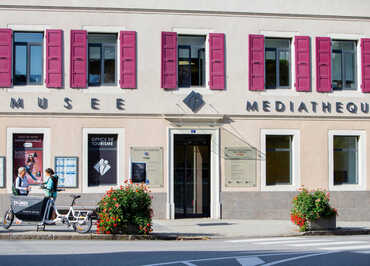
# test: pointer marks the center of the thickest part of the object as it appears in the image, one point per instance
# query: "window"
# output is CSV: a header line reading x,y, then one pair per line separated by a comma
x,y
343,65
191,61
102,59
345,151
278,159
28,55
102,159
280,165
347,157
277,63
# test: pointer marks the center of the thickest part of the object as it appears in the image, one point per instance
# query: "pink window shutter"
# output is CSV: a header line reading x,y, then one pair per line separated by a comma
x,y
217,61
256,62
365,64
128,59
302,63
54,58
78,64
169,60
323,64
5,58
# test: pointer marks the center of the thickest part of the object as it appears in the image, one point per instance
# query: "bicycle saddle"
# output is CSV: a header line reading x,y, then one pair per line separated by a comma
x,y
75,196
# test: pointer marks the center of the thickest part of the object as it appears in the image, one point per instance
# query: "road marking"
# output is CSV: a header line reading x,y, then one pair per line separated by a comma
x,y
250,261
188,263
296,258
229,257
327,243
347,247
363,252
290,241
261,239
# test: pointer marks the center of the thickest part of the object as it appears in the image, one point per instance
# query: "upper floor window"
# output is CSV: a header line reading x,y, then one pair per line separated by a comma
x,y
191,61
102,59
277,63
343,65
28,58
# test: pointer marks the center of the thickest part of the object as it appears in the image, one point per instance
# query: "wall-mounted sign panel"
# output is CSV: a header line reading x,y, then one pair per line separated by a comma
x,y
240,166
66,168
153,159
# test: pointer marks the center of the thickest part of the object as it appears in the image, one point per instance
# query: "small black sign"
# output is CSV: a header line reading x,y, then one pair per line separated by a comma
x,y
138,172
194,101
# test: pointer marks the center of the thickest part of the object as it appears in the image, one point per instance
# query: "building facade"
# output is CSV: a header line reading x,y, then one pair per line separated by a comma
x,y
225,109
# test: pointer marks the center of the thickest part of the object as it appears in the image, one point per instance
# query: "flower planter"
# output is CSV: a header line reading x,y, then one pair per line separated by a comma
x,y
323,223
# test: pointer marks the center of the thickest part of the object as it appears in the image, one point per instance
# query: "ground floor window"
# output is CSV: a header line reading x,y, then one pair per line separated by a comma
x,y
280,164
278,159
102,159
346,159
345,151
28,153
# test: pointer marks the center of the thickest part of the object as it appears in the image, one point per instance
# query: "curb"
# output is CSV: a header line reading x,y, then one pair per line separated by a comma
x,y
338,232
33,236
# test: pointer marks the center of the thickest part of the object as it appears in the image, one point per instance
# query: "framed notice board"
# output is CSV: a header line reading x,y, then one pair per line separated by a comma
x,y
66,168
153,159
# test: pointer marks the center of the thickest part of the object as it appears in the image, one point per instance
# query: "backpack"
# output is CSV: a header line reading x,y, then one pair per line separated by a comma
x,y
55,183
14,190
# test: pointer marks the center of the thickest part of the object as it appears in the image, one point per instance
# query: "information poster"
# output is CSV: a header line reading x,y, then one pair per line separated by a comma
x,y
66,168
153,159
28,153
138,172
102,159
240,166
2,171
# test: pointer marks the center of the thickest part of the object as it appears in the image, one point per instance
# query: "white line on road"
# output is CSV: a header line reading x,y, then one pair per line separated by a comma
x,y
327,243
347,247
188,263
250,261
261,239
295,258
290,241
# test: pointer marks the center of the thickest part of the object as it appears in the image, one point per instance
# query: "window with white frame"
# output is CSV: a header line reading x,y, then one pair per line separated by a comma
x,y
191,61
277,63
344,65
280,167
28,58
346,159
102,51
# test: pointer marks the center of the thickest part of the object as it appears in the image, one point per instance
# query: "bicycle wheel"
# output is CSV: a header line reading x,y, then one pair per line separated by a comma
x,y
83,224
8,219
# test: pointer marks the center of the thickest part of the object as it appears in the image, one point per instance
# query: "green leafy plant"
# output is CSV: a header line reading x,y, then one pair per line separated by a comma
x,y
309,206
125,210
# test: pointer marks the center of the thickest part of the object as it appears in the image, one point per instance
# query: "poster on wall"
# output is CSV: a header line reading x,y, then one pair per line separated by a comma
x,y
102,159
240,166
153,159
28,153
138,172
2,172
66,168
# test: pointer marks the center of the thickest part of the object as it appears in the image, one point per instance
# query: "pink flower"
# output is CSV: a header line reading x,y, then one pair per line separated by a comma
x,y
117,205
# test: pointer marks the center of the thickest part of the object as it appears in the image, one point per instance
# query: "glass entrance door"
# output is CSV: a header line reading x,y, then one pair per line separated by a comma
x,y
192,176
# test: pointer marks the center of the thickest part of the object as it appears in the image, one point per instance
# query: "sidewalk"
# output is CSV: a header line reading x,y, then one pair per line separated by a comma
x,y
187,229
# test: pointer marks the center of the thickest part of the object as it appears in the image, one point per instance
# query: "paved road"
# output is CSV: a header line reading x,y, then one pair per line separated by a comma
x,y
349,250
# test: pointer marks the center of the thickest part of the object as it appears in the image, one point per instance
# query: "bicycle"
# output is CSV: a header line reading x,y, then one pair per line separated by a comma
x,y
39,209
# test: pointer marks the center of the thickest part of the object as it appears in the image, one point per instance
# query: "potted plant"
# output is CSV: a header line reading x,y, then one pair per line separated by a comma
x,y
312,211
126,210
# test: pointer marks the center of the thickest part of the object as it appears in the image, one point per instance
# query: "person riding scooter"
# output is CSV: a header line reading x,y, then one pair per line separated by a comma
x,y
50,188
